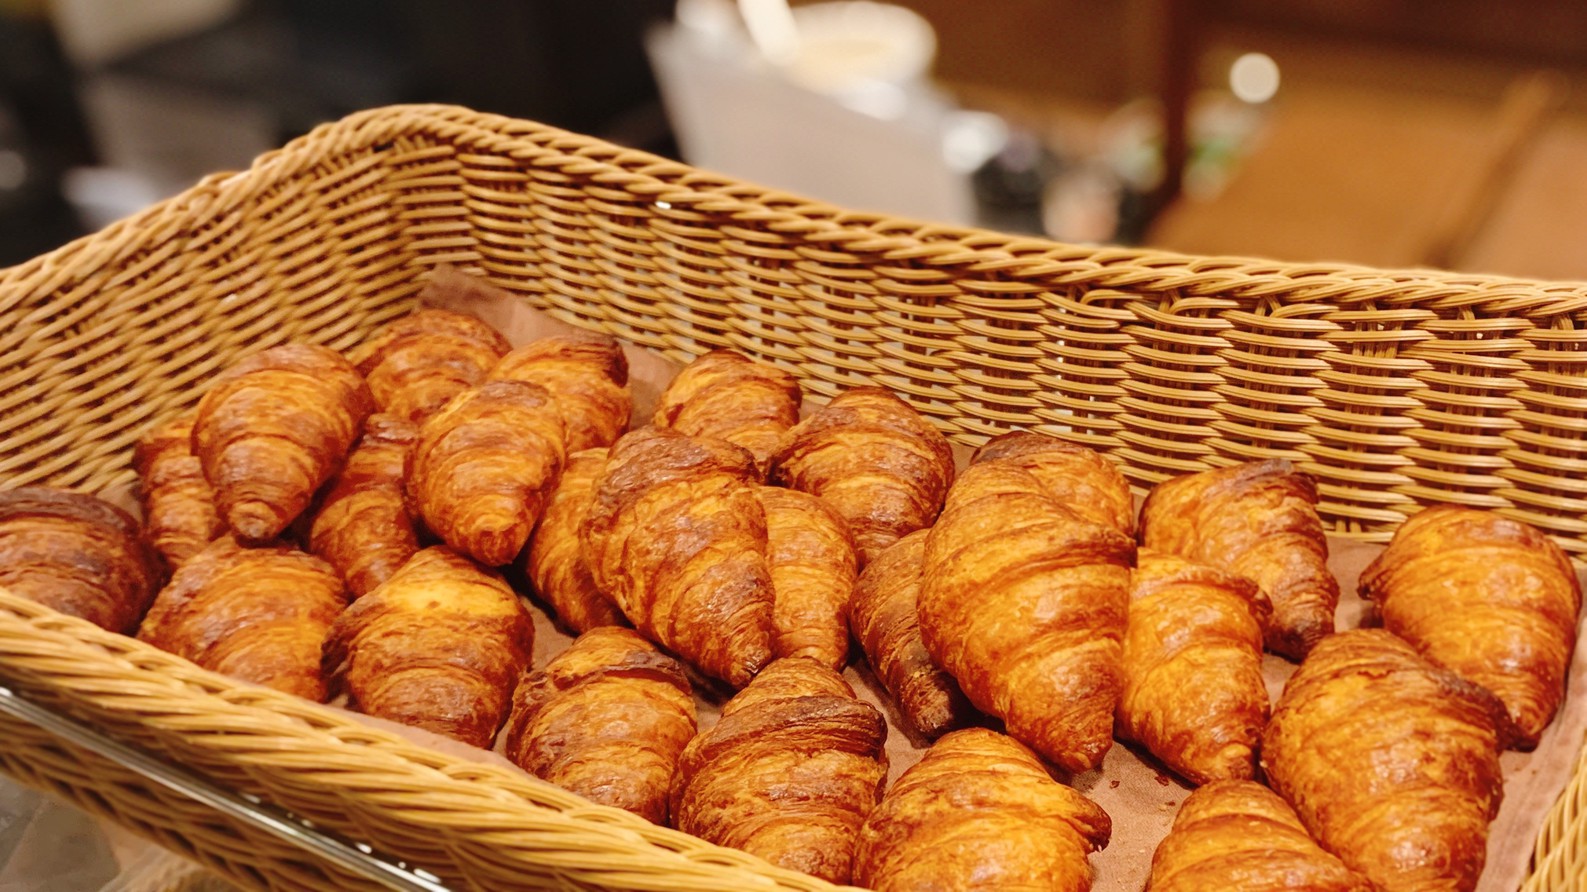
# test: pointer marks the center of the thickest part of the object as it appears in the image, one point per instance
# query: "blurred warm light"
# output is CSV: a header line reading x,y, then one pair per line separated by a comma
x,y
1254,77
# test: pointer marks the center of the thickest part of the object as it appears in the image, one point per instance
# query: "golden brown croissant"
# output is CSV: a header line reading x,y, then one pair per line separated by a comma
x,y
676,537
587,377
876,461
607,719
484,466
1492,599
1080,478
1193,689
272,428
789,772
78,555
885,623
1239,835
554,562
979,812
416,364
1391,763
363,527
725,394
812,572
178,504
439,646
256,614
1024,603
1257,520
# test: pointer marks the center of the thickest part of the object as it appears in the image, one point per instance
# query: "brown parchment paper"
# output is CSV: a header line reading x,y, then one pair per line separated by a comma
x,y
1139,794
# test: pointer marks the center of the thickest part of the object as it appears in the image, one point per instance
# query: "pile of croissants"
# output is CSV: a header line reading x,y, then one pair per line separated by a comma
x,y
361,528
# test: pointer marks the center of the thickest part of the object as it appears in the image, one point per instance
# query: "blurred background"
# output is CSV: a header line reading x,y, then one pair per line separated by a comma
x,y
1384,132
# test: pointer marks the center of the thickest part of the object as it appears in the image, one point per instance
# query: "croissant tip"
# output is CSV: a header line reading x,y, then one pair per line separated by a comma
x,y
254,521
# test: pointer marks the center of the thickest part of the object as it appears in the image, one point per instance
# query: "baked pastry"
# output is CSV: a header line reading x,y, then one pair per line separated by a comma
x,y
1193,689
554,562
272,428
677,539
607,719
484,466
1089,484
1239,835
77,555
979,812
178,503
1391,763
363,527
876,461
789,773
1257,520
727,395
1490,598
256,614
812,571
1024,603
882,615
587,377
416,364
439,646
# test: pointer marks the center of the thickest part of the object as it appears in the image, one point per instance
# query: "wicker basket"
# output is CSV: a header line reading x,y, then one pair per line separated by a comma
x,y
1394,389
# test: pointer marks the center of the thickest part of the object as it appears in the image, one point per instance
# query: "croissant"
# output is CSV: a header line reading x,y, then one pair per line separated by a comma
x,y
812,571
883,618
1193,689
875,460
587,377
675,536
1391,763
416,364
256,614
484,466
1239,835
554,562
1024,603
789,773
1090,485
1492,599
607,719
178,504
438,646
979,812
272,428
1257,520
363,528
77,555
727,395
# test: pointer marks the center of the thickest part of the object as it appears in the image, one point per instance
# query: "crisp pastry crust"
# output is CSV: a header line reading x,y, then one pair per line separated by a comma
x,y
363,527
727,395
586,375
178,503
812,563
416,364
554,562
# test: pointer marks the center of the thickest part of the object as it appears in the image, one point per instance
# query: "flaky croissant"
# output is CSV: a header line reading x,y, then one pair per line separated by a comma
x,y
178,503
725,394
1193,689
1024,603
1391,763
677,538
882,615
272,428
439,646
1239,835
789,773
812,564
1090,485
979,812
607,719
416,364
875,460
78,555
1490,598
484,466
1257,520
257,614
363,527
587,377
554,562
